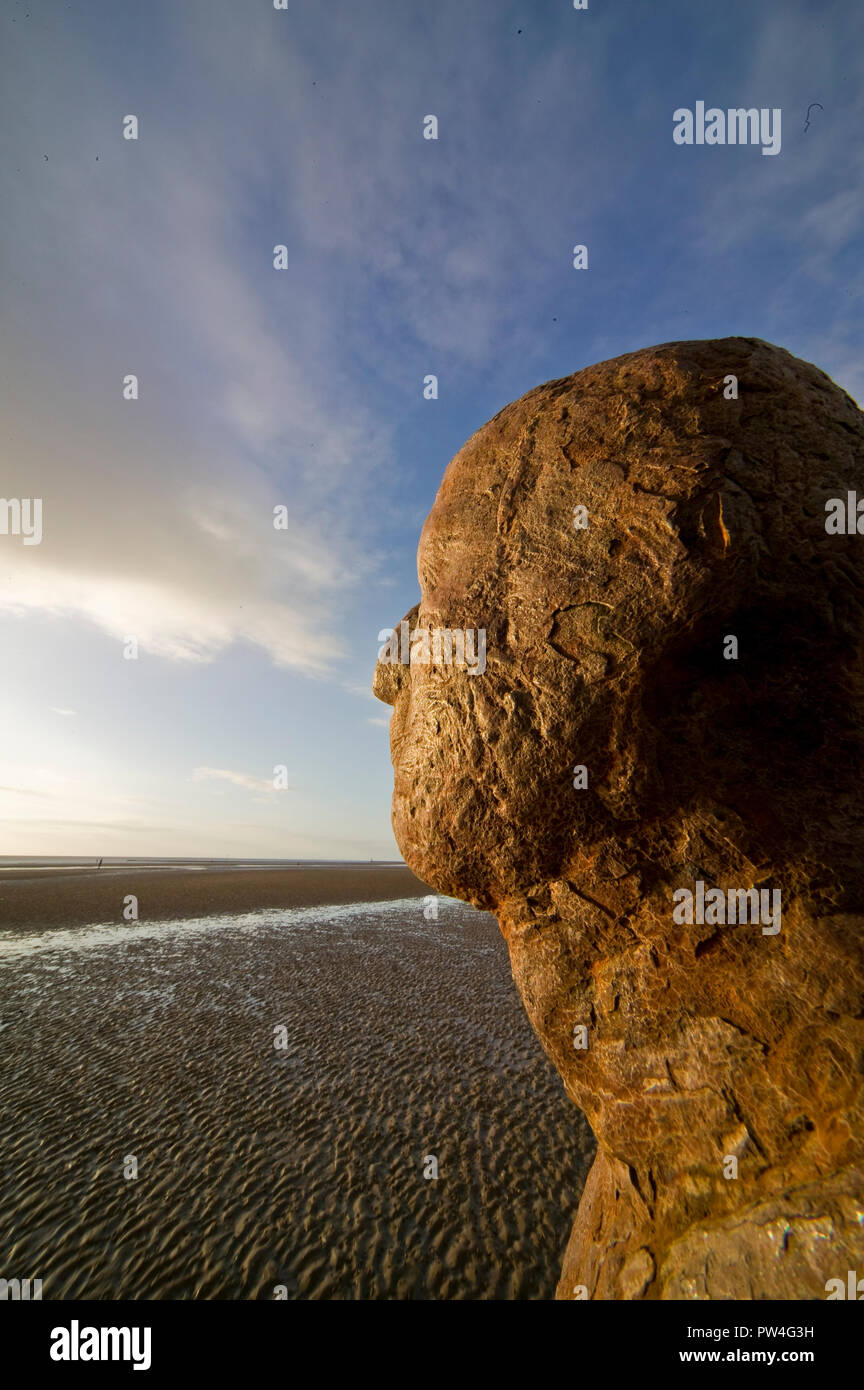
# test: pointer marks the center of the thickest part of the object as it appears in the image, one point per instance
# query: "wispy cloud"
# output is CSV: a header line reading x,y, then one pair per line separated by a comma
x,y
239,779
159,511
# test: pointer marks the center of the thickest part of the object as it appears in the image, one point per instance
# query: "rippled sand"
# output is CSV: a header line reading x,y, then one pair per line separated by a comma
x,y
260,1167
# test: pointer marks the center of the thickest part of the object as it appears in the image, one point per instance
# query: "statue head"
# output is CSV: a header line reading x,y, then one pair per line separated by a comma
x,y
670,631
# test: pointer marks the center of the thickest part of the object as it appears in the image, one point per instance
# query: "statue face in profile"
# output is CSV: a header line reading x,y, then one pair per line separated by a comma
x,y
487,761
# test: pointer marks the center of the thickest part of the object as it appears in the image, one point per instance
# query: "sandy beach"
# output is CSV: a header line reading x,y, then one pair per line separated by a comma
x,y
294,1170
71,897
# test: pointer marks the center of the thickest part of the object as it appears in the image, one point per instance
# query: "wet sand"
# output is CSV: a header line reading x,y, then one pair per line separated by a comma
x,y
59,897
299,1168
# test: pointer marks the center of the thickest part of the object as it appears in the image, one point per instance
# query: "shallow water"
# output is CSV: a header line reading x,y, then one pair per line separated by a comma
x,y
260,1167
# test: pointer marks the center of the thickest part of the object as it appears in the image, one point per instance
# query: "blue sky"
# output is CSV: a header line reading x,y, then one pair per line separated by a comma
x,y
304,387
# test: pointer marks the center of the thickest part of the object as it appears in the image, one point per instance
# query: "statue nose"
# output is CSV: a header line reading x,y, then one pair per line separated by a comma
x,y
390,675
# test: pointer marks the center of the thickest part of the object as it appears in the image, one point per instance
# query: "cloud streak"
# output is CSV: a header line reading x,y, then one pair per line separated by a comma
x,y
239,779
